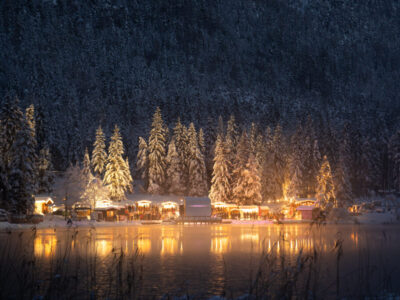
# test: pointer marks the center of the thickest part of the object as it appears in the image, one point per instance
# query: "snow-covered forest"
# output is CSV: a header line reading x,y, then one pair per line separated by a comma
x,y
277,88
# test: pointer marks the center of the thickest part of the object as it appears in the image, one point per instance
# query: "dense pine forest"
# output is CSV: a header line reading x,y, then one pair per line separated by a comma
x,y
282,89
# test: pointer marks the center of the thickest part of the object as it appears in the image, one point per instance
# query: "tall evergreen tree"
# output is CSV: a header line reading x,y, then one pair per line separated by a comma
x,y
45,171
157,154
279,162
115,173
197,167
268,182
128,176
342,184
220,182
11,117
99,155
86,171
241,158
248,187
175,181
30,118
325,188
142,163
295,167
202,146
23,176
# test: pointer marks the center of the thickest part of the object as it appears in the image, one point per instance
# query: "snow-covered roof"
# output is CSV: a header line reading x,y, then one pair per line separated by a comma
x,y
154,198
43,199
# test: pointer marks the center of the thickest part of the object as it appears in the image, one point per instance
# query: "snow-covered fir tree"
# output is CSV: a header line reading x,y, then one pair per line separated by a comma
x,y
278,155
86,170
128,176
175,180
295,167
253,134
232,133
23,175
248,187
239,165
325,189
115,174
220,182
45,171
241,157
99,154
142,163
197,167
157,154
342,184
11,117
182,147
201,142
30,118
268,182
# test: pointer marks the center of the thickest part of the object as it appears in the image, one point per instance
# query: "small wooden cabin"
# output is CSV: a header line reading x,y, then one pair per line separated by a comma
x,y
43,205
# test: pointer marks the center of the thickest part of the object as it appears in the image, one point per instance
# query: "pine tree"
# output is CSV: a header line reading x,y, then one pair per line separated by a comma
x,y
240,161
232,133
30,118
268,182
201,142
279,163
230,148
128,176
142,162
220,182
86,171
99,155
45,170
181,139
295,166
342,184
210,138
253,138
248,188
23,176
115,174
175,181
156,154
11,117
197,168
325,189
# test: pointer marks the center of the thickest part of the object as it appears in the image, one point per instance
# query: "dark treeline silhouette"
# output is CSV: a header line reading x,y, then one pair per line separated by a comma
x,y
90,63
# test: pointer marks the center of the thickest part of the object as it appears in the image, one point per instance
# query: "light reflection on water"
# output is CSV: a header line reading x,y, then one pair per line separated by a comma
x,y
173,240
205,257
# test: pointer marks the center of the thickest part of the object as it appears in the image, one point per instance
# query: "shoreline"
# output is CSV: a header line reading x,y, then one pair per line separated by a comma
x,y
53,222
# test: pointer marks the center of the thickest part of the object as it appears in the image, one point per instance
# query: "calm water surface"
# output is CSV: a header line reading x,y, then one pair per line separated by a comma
x,y
210,259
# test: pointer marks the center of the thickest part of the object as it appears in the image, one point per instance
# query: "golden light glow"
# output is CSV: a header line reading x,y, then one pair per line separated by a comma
x,y
219,245
45,245
169,205
144,203
103,247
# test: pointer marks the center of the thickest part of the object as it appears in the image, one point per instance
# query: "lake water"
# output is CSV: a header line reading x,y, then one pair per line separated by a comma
x,y
205,260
